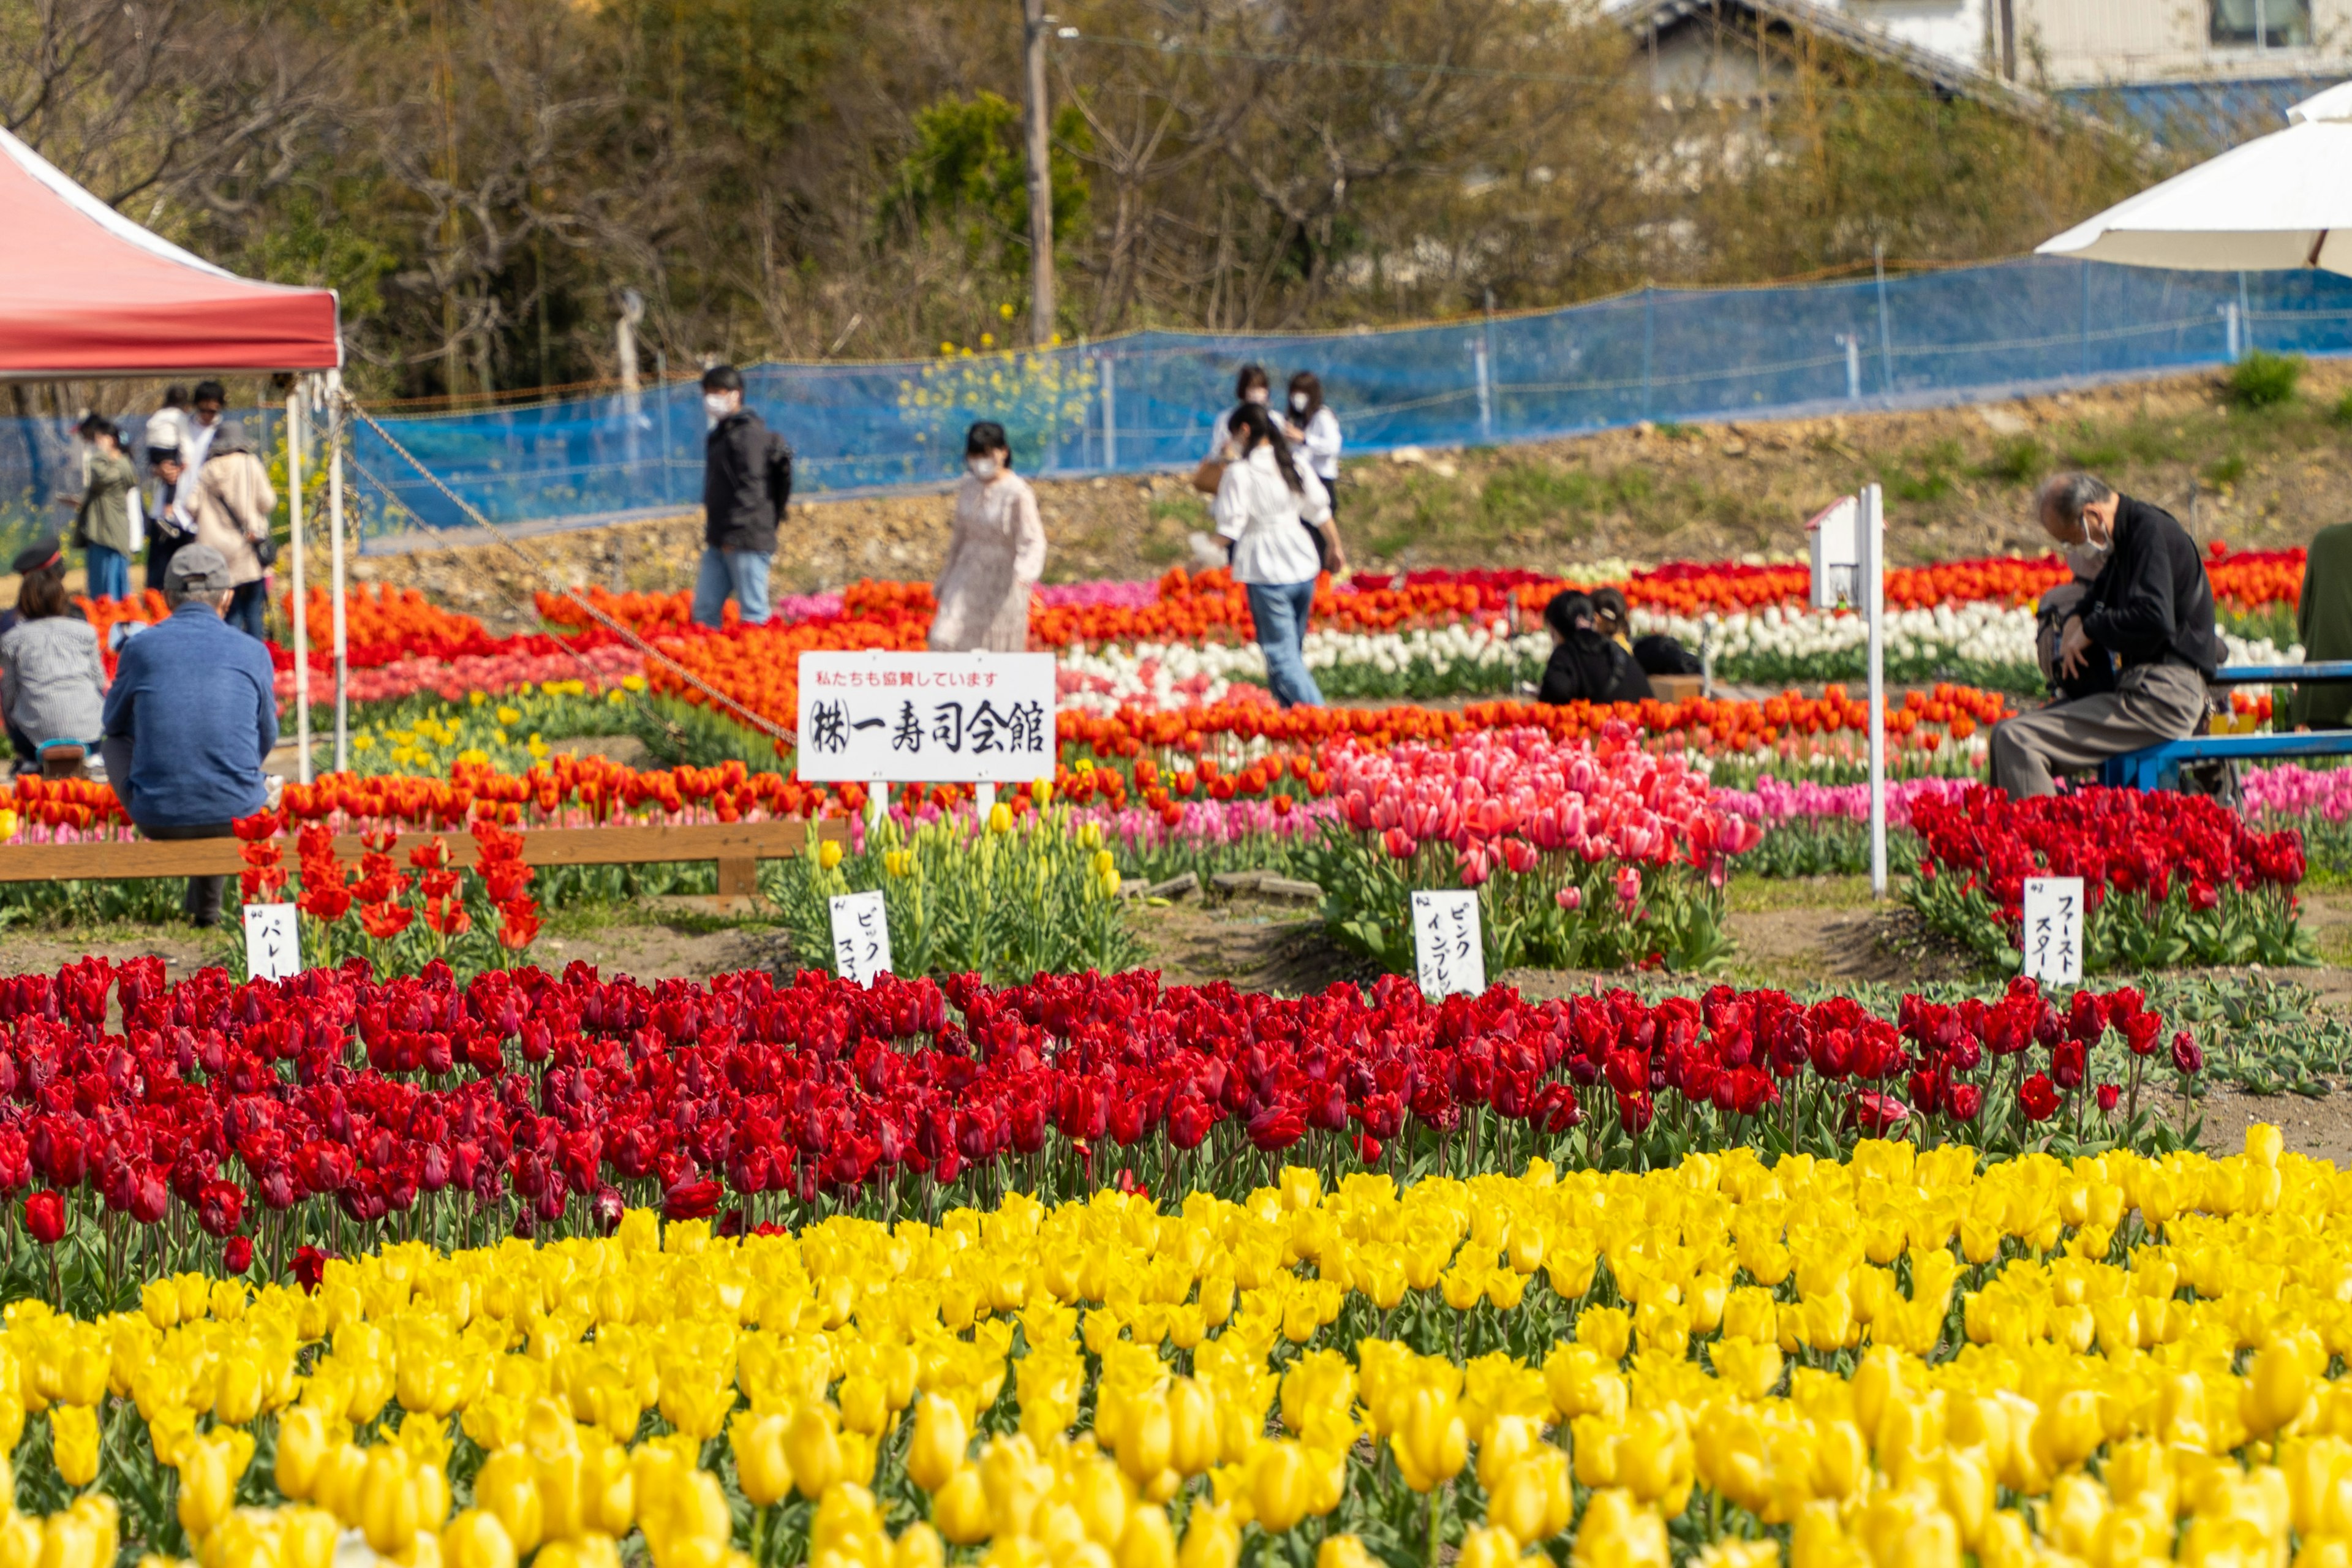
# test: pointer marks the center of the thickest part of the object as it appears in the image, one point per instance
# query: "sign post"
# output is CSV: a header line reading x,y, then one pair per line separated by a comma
x,y
1848,546
927,718
273,945
2054,930
861,937
1872,540
1447,948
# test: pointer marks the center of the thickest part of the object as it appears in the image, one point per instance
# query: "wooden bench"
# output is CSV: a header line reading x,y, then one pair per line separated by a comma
x,y
737,847
2158,767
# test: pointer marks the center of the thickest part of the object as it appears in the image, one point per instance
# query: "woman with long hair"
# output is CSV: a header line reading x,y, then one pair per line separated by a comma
x,y
1274,511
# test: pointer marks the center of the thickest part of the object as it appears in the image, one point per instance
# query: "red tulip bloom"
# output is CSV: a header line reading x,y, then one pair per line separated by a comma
x,y
2109,1095
237,1256
2038,1098
2186,1055
385,922
308,1267
220,1207
45,1217
2068,1064
692,1200
1963,1100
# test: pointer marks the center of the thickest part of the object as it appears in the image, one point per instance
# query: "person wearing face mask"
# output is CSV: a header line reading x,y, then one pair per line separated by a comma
x,y
2151,606
747,484
1251,387
2097,671
995,553
1313,430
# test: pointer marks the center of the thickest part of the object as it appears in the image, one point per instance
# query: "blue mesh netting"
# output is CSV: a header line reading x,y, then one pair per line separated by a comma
x,y
1146,401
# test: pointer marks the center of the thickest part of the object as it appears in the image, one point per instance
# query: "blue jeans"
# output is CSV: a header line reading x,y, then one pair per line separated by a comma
x,y
1280,611
738,575
108,572
245,607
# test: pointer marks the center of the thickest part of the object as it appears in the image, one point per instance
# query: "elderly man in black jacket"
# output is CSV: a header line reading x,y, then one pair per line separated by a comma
x,y
2151,606
747,483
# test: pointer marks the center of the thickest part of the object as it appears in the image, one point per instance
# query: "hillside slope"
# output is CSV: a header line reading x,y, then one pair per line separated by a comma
x,y
1958,482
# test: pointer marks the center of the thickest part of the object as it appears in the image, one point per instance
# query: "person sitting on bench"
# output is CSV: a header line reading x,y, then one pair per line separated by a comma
x,y
2151,606
191,718
52,679
2323,623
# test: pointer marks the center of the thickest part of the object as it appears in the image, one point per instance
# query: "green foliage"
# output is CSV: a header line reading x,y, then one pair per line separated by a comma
x,y
1926,473
1677,918
2226,470
2091,448
1527,497
2265,380
2127,933
2018,460
1003,901
967,168
2343,411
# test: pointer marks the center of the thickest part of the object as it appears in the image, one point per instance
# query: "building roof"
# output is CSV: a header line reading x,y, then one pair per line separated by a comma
x,y
1655,18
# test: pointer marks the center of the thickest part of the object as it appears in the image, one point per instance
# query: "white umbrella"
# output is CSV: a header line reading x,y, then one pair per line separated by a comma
x,y
2282,202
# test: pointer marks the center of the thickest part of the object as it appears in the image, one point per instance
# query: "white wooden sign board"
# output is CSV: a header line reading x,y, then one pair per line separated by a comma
x,y
273,945
861,937
2054,930
1448,950
932,718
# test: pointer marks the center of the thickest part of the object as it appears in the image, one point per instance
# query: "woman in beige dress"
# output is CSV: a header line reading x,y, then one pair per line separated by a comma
x,y
995,556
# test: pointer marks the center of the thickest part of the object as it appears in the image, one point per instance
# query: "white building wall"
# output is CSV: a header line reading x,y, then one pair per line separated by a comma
x,y
1956,29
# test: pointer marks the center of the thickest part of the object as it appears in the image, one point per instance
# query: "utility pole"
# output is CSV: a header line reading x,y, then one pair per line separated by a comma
x,y
2008,40
1040,172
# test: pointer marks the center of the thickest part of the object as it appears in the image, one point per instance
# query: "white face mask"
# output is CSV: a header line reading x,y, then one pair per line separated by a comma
x,y
983,468
1298,402
1256,394
718,404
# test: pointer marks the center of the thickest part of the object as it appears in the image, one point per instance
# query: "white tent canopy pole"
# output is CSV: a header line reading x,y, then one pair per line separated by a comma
x,y
294,399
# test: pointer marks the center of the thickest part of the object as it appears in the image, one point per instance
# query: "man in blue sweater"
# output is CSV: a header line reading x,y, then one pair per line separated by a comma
x,y
191,717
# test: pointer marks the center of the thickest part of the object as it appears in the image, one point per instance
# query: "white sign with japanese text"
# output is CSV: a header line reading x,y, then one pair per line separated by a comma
x,y
861,937
932,718
273,948
1446,944
2054,930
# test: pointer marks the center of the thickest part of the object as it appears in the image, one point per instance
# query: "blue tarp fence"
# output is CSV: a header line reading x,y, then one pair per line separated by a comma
x,y
1145,401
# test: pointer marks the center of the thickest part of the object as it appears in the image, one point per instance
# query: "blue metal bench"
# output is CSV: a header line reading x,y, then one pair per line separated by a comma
x,y
2158,767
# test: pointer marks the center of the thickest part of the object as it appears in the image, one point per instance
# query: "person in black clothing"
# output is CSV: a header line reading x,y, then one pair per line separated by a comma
x,y
1585,665
2151,606
747,483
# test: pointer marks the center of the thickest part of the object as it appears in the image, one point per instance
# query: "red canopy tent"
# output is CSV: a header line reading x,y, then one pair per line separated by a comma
x,y
84,291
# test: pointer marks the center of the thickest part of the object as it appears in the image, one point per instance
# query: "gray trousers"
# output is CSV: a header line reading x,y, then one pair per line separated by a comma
x,y
2152,703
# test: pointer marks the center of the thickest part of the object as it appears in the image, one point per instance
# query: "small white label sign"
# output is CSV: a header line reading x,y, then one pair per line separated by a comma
x,y
861,937
273,947
929,718
2054,930
1446,944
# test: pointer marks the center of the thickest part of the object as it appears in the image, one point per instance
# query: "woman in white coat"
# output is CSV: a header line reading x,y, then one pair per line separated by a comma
x,y
995,555
1275,512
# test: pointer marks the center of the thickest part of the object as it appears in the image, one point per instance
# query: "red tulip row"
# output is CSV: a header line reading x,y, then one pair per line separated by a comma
x,y
525,1100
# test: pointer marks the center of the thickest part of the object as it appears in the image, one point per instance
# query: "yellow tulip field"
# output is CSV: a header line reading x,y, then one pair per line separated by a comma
x,y
1905,1359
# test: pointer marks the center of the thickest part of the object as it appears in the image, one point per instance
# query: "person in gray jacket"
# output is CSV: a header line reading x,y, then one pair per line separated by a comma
x,y
52,681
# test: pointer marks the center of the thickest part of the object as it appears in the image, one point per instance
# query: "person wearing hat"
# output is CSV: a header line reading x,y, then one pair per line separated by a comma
x,y
233,503
52,679
106,513
191,717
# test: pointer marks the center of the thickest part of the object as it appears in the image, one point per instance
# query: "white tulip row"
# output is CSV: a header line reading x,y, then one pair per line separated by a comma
x,y
1469,657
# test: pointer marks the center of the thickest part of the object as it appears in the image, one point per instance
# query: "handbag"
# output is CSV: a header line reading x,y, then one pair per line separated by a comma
x,y
1209,475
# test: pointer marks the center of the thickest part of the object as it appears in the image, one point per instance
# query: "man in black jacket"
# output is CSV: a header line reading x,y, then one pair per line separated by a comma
x,y
746,485
2151,606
